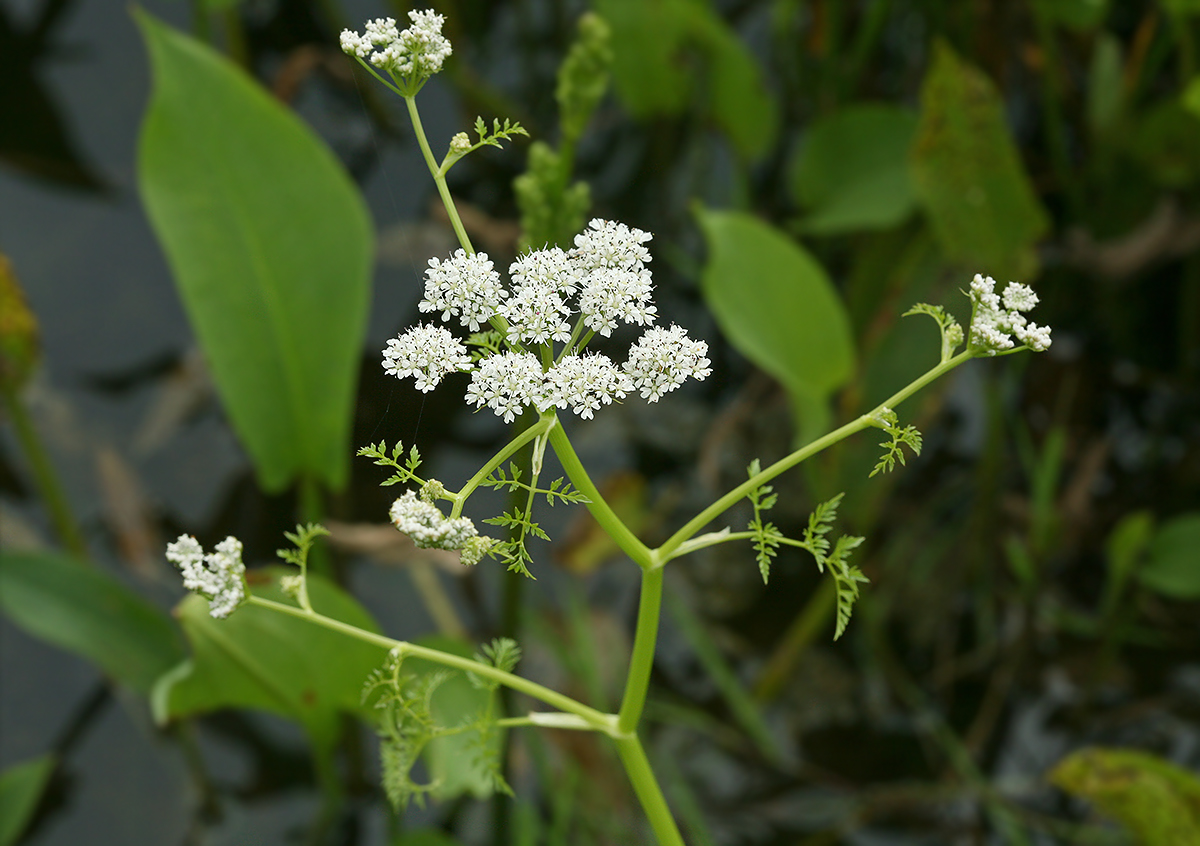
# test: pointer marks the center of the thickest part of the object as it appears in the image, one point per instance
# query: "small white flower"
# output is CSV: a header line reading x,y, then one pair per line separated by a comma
x,y
427,353
993,323
549,268
506,383
1018,297
536,314
218,576
466,286
612,293
584,382
460,143
427,526
663,359
606,243
415,54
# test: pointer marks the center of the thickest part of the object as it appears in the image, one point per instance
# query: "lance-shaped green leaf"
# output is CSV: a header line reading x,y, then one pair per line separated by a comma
x,y
776,305
266,660
969,176
270,246
88,612
21,788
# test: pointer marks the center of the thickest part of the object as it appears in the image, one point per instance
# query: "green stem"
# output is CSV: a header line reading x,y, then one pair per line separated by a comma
x,y
663,553
600,509
44,477
546,422
439,178
312,510
601,722
645,785
641,662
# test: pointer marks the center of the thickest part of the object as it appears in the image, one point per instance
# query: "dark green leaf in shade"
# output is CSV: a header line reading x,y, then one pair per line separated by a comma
x,y
969,176
740,102
851,172
265,660
776,305
270,246
647,37
1165,143
1082,15
1172,565
665,51
86,611
1156,801
21,788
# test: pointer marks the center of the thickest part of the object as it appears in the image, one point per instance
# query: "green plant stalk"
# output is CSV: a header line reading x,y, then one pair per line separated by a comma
x,y
544,424
864,421
596,504
598,721
645,785
439,177
44,476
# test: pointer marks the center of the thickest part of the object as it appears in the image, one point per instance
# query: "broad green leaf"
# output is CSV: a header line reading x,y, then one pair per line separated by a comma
x,y
852,170
1157,802
739,100
969,176
1191,96
1106,89
456,762
661,46
21,787
647,36
776,305
426,837
270,246
1182,7
1076,14
1164,141
86,611
266,660
1172,567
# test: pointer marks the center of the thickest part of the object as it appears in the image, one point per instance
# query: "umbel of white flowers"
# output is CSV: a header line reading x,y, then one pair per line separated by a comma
x,y
219,576
995,318
555,303
413,55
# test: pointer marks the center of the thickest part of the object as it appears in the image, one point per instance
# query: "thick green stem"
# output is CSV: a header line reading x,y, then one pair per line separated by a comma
x,y
596,719
641,662
439,178
601,510
645,785
44,477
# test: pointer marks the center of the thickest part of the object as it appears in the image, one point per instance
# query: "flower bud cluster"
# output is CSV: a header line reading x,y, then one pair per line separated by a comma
x,y
428,527
415,54
555,297
219,576
996,318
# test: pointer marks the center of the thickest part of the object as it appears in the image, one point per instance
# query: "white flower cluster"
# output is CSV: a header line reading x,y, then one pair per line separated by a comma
x,y
427,526
663,359
427,353
554,297
506,383
218,576
415,53
996,317
584,382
